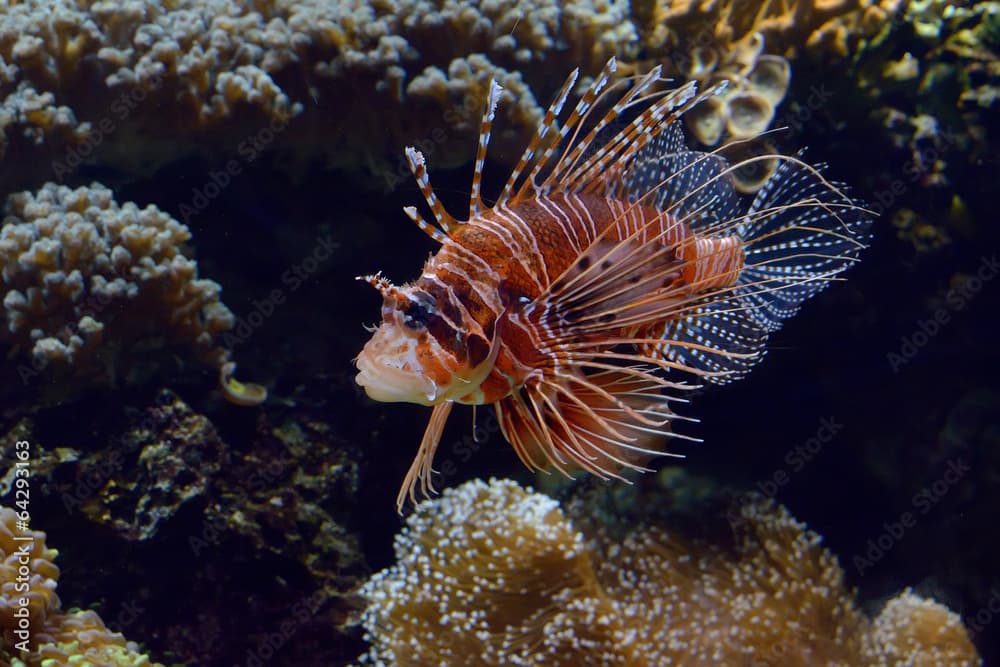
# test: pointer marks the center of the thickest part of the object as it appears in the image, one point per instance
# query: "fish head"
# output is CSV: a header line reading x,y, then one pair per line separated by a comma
x,y
416,355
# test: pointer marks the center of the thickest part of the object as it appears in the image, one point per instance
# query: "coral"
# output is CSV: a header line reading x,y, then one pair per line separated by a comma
x,y
53,637
81,638
964,430
915,631
81,83
914,229
89,285
28,562
85,79
519,557
746,107
855,22
787,26
494,574
757,84
462,90
931,80
749,45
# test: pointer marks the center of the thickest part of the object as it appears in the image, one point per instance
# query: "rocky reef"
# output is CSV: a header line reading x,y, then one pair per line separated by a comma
x,y
929,79
252,546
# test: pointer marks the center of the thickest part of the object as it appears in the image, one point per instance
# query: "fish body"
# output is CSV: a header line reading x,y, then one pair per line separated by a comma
x,y
506,258
616,266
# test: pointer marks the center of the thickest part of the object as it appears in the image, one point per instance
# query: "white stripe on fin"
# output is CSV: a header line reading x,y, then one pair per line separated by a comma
x,y
475,201
419,168
800,232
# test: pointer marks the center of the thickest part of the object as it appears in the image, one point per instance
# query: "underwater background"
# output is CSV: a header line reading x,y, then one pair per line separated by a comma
x,y
191,185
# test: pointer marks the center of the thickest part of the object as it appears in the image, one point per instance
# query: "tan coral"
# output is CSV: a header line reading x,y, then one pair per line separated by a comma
x,y
749,45
493,574
770,78
707,121
786,25
458,95
231,66
84,279
25,562
498,596
756,160
222,69
748,115
840,34
81,638
54,638
918,632
234,65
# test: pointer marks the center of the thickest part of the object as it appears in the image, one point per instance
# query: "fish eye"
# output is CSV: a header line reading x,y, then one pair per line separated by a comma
x,y
417,313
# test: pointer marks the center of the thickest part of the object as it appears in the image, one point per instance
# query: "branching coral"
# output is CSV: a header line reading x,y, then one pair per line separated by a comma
x,y
86,282
52,637
492,574
193,74
80,81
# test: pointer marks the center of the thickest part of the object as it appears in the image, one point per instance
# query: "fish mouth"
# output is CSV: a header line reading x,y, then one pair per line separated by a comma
x,y
391,384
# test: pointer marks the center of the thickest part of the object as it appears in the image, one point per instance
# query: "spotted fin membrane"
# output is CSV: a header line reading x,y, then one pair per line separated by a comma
x,y
799,232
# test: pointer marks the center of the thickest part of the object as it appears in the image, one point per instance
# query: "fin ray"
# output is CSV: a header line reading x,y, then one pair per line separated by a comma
x,y
420,471
593,427
798,210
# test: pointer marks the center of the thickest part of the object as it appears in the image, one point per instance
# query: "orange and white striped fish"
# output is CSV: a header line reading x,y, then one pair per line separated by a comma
x,y
614,260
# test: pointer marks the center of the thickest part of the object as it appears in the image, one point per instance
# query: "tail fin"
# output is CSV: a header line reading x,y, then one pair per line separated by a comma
x,y
800,232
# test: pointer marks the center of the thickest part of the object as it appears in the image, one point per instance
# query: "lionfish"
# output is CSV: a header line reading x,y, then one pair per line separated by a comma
x,y
616,270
